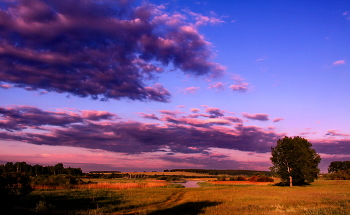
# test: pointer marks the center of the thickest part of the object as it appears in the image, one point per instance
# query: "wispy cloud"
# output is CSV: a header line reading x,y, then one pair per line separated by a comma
x,y
218,86
339,62
257,116
189,90
239,85
5,86
336,133
278,119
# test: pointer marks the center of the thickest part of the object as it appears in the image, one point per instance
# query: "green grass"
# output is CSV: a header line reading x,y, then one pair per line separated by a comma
x,y
322,197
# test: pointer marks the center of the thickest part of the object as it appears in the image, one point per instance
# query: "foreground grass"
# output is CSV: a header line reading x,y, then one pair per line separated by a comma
x,y
322,197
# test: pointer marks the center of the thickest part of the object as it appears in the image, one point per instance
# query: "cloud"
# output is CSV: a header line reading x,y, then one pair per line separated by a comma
x,y
346,14
234,119
204,20
5,86
149,116
278,119
257,116
336,133
189,90
218,86
103,130
195,110
170,113
214,112
105,50
339,62
17,118
239,85
332,146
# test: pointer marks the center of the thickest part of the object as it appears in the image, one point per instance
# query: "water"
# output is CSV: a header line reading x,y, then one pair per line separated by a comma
x,y
190,184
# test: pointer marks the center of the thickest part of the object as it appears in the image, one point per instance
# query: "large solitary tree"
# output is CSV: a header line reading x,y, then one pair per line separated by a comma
x,y
295,161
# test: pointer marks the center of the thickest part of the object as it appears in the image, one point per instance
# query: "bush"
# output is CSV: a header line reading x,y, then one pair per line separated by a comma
x,y
261,178
238,178
56,180
338,175
13,186
221,178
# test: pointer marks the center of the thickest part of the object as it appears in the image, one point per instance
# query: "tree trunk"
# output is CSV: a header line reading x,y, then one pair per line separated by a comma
x,y
290,181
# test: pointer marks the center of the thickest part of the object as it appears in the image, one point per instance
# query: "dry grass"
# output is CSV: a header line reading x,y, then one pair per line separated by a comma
x,y
240,183
169,173
107,186
322,197
121,186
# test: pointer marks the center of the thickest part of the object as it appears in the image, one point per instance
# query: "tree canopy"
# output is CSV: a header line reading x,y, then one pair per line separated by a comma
x,y
335,166
295,161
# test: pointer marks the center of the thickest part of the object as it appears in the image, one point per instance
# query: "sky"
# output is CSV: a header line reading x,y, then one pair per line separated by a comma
x,y
164,84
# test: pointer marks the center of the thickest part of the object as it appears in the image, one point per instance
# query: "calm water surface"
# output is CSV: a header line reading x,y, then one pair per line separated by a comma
x,y
189,184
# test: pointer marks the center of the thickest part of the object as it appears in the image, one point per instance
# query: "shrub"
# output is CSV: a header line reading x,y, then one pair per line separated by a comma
x,y
238,178
261,178
13,186
56,180
221,178
338,175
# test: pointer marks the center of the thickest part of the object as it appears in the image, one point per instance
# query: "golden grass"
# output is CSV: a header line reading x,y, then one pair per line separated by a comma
x,y
322,197
169,173
121,186
107,186
240,183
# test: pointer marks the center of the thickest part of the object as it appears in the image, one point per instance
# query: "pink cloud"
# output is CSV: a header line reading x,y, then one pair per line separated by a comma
x,y
257,116
149,116
336,133
217,86
169,112
5,86
239,85
189,90
195,110
204,20
214,112
339,62
278,119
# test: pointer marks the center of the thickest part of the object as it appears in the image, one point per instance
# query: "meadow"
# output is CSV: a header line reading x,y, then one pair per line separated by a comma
x,y
322,197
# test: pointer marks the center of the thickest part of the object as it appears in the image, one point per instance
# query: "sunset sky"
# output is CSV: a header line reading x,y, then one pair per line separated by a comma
x,y
163,84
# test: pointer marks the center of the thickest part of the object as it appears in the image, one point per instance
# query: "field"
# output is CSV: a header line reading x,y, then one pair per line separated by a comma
x,y
322,197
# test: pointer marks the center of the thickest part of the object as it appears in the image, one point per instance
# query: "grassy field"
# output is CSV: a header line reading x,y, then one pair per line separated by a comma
x,y
322,197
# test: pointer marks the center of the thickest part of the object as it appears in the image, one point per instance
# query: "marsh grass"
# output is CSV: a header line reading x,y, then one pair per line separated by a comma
x,y
322,197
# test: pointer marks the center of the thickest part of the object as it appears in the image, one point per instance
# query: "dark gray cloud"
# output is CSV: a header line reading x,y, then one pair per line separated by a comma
x,y
98,48
103,130
18,118
136,137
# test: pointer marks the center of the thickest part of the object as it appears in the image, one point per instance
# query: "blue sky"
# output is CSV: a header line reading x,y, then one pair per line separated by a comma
x,y
187,84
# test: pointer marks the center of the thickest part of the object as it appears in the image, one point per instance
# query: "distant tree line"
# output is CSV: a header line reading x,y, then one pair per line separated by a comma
x,y
338,170
36,170
335,166
222,172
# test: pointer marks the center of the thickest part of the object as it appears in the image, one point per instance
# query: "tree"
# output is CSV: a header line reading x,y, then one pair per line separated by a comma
x,y
295,161
335,166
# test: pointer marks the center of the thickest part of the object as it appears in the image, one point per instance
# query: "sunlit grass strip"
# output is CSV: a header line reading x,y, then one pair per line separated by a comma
x,y
107,186
240,183
121,186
